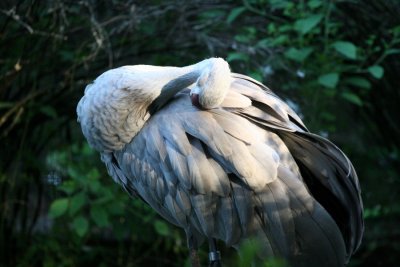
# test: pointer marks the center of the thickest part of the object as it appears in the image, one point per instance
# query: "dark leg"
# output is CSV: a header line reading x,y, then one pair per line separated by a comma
x,y
214,256
192,245
194,258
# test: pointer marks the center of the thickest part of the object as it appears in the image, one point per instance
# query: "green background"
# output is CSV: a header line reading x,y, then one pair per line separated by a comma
x,y
336,62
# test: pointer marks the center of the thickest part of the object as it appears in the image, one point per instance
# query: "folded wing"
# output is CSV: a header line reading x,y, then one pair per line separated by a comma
x,y
247,169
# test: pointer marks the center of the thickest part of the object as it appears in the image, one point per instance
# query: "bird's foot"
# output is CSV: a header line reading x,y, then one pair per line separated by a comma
x,y
215,259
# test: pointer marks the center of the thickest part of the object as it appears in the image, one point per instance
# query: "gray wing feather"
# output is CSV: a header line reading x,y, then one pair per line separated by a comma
x,y
236,100
179,167
209,180
243,205
232,172
271,104
333,182
183,200
204,207
325,236
228,221
233,125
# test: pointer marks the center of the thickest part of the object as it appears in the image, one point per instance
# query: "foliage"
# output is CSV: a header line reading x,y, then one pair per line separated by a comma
x,y
336,62
92,213
309,43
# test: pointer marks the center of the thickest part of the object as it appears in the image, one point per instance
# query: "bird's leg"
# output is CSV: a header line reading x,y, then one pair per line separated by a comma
x,y
214,256
194,258
192,245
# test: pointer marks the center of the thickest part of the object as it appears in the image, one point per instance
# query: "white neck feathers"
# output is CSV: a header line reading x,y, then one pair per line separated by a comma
x,y
115,106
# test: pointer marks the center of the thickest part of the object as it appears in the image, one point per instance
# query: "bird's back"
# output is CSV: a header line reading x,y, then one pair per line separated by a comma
x,y
249,168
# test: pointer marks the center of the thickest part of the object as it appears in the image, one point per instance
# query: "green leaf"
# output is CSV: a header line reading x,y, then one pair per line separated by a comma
x,y
58,207
95,186
80,225
345,48
396,30
248,251
99,216
77,202
161,228
271,28
373,212
329,80
263,42
279,4
234,14
392,51
281,39
237,56
243,38
73,172
358,82
93,174
298,55
353,98
285,28
270,42
376,71
306,25
314,4
68,186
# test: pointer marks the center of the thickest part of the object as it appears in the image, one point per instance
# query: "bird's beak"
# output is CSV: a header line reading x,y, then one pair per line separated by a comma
x,y
195,100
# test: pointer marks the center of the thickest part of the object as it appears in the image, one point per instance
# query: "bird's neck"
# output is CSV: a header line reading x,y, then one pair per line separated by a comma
x,y
211,79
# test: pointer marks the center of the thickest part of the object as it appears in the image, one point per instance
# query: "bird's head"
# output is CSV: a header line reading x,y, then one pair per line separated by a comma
x,y
212,84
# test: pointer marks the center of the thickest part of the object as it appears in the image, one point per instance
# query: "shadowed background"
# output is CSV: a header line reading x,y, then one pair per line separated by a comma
x,y
335,62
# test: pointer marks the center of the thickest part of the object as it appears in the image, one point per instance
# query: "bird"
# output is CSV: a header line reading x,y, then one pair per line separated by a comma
x,y
223,157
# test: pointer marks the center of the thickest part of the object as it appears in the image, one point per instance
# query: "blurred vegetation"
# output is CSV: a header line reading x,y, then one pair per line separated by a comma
x,y
336,63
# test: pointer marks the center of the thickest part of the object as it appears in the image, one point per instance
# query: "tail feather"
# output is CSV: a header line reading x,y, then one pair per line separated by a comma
x,y
331,180
298,229
324,245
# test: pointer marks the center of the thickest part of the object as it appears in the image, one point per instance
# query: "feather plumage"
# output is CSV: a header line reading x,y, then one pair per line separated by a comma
x,y
246,169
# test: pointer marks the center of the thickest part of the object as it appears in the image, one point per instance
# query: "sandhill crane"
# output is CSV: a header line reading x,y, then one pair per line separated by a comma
x,y
221,156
